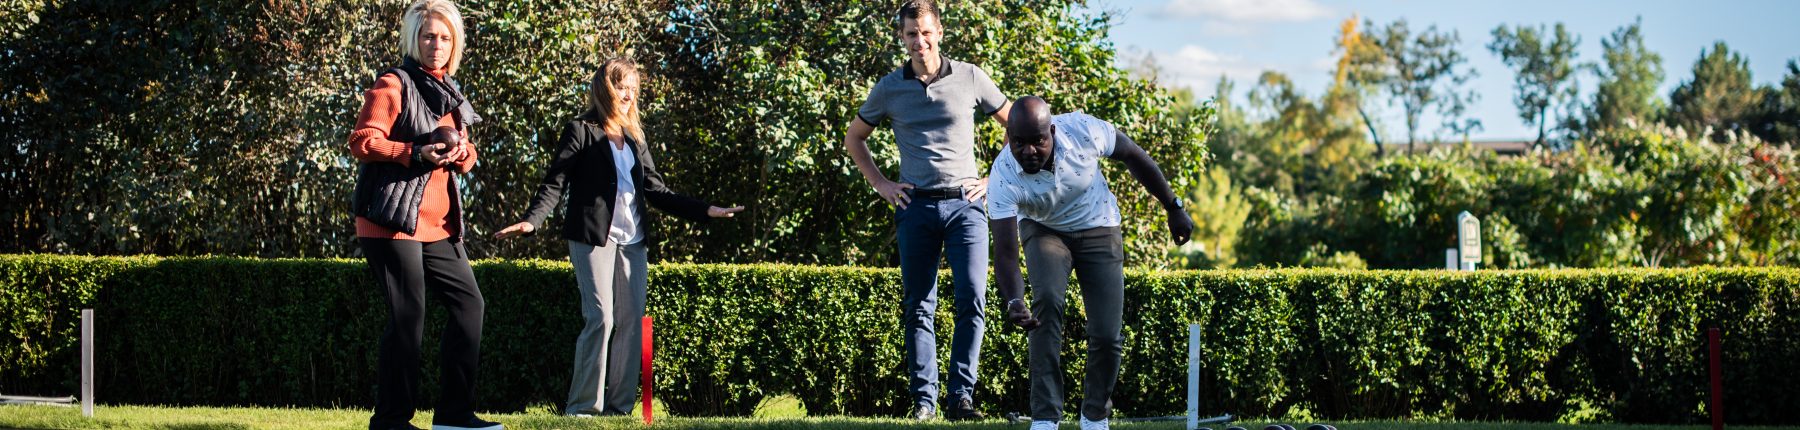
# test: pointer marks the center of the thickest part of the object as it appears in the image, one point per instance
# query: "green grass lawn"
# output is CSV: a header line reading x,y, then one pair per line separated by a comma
x,y
176,418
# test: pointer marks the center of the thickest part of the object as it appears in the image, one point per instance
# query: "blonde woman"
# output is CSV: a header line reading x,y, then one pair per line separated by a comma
x,y
603,164
409,218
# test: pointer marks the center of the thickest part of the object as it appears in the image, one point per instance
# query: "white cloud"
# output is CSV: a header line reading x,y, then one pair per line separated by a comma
x,y
1245,10
1327,64
1199,69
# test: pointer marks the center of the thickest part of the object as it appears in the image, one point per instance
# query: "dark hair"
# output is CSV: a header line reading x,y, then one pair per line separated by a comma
x,y
916,9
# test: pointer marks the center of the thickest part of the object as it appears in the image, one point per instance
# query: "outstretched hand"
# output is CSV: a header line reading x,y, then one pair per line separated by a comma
x,y
515,230
719,212
1020,315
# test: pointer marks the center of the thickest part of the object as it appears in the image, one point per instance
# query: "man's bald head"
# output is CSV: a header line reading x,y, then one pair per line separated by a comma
x,y
1029,133
1030,116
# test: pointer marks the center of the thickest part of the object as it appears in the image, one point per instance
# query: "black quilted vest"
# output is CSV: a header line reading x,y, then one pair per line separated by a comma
x,y
388,194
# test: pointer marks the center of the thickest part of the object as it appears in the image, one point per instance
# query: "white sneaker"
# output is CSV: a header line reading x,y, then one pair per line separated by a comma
x,y
1094,425
1043,425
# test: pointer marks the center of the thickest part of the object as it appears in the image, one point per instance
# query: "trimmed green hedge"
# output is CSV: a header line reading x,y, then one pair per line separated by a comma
x,y
1623,345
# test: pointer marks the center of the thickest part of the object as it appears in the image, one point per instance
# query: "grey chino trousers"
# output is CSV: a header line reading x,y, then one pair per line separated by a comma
x,y
1097,256
607,353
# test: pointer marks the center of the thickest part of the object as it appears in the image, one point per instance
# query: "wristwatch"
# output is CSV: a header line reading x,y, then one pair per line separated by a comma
x,y
1177,204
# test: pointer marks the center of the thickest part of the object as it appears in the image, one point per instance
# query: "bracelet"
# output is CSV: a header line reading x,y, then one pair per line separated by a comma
x,y
1010,302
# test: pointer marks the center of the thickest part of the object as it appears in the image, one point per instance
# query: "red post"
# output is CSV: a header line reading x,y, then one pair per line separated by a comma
x,y
1718,379
649,411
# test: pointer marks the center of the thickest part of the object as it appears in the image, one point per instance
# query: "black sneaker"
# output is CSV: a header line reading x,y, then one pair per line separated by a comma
x,y
923,413
400,426
963,410
471,423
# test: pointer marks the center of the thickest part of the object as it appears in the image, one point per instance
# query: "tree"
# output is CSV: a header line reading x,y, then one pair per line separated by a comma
x,y
1219,210
1543,68
1627,90
1720,95
1779,121
1425,71
1361,71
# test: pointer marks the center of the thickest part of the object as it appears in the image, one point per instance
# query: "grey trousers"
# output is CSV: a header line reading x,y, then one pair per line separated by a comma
x,y
1097,256
607,353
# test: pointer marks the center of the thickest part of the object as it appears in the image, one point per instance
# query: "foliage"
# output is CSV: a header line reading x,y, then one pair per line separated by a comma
x,y
1622,190
1627,197
1218,208
1281,141
1625,345
795,75
235,146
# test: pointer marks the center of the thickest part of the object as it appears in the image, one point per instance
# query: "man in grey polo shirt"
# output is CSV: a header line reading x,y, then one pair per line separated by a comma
x,y
933,103
1050,176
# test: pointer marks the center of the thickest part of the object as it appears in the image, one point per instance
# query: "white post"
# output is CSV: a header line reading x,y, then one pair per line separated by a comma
x,y
1449,258
87,363
1468,240
1193,391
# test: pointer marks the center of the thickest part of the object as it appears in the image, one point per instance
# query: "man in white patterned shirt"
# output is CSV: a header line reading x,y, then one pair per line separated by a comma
x,y
1050,176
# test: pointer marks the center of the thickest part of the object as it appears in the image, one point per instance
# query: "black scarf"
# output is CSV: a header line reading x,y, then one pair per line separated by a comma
x,y
442,96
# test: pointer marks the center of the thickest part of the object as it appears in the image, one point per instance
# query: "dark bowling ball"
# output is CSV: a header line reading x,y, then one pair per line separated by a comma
x,y
446,135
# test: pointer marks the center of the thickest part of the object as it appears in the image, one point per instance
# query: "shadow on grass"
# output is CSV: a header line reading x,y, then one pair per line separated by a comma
x,y
202,426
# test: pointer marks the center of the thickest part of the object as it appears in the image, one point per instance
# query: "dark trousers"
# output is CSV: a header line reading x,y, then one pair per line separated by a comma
x,y
407,269
1097,256
930,230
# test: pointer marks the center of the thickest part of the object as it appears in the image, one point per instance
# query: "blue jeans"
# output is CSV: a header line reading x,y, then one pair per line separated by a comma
x,y
957,230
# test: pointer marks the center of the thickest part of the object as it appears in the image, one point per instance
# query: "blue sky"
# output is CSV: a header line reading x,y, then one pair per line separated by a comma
x,y
1196,41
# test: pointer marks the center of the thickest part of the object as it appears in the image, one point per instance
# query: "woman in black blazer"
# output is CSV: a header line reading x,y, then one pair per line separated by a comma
x,y
604,166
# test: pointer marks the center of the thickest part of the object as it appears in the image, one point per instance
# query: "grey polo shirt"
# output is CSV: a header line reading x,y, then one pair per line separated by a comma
x,y
934,122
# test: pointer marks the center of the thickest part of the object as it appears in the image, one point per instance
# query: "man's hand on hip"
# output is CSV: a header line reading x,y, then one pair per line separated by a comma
x,y
894,192
975,190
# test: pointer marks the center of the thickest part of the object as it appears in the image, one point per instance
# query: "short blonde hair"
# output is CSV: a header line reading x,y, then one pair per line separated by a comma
x,y
413,22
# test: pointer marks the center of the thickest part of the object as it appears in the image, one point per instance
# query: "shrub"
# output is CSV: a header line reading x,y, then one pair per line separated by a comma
x,y
1625,345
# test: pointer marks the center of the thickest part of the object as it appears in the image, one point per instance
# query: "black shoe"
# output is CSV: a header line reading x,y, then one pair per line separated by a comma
x,y
963,410
471,423
400,426
923,413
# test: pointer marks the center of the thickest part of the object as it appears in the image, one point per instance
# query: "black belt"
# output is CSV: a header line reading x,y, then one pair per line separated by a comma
x,y
938,193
